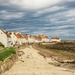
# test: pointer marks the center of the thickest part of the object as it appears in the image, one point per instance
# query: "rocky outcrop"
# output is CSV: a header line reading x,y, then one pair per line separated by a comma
x,y
7,63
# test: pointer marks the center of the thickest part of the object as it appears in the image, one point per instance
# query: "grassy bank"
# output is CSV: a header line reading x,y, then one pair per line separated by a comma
x,y
6,53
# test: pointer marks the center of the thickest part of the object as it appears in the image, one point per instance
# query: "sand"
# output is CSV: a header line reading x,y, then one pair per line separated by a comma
x,y
32,63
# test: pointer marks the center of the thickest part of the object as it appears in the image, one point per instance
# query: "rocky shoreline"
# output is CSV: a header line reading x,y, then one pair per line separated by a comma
x,y
57,61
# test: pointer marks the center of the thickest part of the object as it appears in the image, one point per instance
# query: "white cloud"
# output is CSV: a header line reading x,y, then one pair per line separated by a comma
x,y
62,21
39,32
33,4
54,33
65,26
24,31
10,15
70,13
47,10
3,11
57,33
15,29
62,17
69,0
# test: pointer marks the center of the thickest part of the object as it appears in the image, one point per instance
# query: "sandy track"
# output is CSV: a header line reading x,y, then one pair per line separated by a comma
x,y
32,63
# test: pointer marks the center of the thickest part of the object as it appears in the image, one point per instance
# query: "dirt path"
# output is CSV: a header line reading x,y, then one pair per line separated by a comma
x,y
32,63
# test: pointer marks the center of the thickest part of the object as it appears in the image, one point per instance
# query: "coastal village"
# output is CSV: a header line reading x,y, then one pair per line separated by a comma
x,y
37,37
9,39
20,57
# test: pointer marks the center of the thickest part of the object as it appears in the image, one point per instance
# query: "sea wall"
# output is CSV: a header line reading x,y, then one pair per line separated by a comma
x,y
8,63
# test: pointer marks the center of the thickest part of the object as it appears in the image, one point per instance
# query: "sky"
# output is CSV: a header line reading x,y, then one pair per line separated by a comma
x,y
53,18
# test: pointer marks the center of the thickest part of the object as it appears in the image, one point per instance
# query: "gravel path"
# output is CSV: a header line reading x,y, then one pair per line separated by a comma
x,y
32,63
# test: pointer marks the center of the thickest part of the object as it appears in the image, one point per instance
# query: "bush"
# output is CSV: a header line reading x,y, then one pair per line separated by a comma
x,y
6,53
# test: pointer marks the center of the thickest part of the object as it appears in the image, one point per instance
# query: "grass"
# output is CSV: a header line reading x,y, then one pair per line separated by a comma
x,y
6,53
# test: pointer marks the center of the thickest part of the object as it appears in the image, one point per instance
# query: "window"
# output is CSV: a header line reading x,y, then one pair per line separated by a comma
x,y
11,43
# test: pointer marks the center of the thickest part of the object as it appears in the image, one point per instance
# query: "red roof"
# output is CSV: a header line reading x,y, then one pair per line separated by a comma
x,y
42,36
26,37
8,35
18,35
55,38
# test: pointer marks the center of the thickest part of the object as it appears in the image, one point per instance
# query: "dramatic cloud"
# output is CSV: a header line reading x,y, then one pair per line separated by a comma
x,y
33,4
10,15
49,17
48,10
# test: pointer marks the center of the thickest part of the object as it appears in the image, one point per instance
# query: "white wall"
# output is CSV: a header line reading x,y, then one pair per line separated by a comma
x,y
23,40
16,40
31,40
56,40
6,41
45,40
13,38
3,38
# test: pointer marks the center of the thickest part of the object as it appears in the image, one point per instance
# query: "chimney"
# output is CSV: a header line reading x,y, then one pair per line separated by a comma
x,y
4,30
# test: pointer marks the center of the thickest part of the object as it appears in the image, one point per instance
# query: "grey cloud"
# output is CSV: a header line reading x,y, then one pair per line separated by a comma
x,y
50,22
68,4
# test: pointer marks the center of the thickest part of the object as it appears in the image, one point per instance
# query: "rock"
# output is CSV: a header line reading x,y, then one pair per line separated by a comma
x,y
20,53
67,61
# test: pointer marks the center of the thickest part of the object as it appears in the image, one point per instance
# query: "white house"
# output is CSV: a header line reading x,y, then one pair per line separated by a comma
x,y
17,38
5,38
23,39
31,39
55,39
43,38
37,39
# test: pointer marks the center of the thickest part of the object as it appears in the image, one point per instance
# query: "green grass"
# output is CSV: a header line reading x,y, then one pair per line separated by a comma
x,y
6,53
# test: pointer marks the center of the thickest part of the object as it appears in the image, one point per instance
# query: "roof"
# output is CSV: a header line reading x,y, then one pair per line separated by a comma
x,y
18,35
55,38
42,36
7,34
26,37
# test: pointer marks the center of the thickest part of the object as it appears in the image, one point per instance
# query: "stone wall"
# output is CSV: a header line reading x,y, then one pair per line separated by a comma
x,y
8,63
